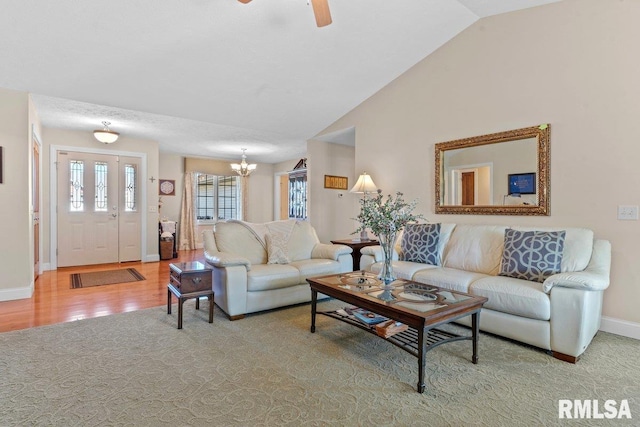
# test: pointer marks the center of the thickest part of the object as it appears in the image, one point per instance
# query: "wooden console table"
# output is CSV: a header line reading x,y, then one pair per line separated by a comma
x,y
356,246
189,280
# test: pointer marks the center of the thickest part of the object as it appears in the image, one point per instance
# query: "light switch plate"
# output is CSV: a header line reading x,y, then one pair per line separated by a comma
x,y
627,212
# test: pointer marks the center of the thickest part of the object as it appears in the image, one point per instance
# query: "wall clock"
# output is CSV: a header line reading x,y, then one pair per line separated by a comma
x,y
167,187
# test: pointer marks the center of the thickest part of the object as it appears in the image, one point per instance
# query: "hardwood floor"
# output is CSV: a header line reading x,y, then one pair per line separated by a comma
x,y
54,301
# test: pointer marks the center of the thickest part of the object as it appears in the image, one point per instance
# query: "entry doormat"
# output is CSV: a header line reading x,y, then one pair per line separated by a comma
x,y
108,277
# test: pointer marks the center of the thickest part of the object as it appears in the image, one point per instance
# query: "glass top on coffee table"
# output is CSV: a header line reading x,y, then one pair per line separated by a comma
x,y
412,295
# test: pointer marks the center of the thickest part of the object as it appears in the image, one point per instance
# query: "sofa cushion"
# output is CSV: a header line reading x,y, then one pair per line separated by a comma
x,y
532,255
476,248
303,239
578,246
401,269
448,278
315,267
237,238
514,296
263,277
420,243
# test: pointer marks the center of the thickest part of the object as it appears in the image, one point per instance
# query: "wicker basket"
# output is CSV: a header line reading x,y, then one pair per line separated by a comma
x,y
166,249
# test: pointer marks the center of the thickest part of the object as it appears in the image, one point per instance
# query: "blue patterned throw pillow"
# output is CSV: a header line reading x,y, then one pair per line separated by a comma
x,y
532,255
420,243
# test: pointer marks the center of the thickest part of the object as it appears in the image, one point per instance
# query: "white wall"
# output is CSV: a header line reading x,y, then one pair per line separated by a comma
x,y
570,64
16,250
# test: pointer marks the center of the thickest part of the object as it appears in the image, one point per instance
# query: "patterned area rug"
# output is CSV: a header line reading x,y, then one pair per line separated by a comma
x,y
137,369
108,277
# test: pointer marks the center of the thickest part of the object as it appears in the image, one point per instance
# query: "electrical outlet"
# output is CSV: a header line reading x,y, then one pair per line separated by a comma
x,y
153,209
628,212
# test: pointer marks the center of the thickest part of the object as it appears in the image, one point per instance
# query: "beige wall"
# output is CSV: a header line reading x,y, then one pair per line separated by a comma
x,y
570,64
259,187
16,254
286,166
328,208
172,167
86,141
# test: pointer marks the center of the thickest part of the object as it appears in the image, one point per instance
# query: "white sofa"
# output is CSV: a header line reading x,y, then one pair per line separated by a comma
x,y
560,315
243,279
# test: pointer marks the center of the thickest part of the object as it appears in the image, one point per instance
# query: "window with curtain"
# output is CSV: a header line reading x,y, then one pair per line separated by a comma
x,y
217,197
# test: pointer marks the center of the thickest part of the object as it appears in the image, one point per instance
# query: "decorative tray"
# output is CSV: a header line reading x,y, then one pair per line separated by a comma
x,y
416,294
360,281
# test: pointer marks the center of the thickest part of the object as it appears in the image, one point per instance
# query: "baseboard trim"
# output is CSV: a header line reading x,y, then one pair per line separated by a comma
x,y
152,258
620,327
16,293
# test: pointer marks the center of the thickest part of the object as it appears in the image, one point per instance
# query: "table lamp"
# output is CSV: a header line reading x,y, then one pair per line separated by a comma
x,y
364,186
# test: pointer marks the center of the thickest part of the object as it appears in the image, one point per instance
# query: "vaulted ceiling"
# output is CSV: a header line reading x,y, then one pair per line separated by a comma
x,y
209,77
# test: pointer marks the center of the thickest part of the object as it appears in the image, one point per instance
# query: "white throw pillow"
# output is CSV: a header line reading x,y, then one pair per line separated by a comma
x,y
277,248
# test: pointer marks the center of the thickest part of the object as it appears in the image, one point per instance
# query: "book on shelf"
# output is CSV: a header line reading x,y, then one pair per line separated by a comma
x,y
368,317
390,328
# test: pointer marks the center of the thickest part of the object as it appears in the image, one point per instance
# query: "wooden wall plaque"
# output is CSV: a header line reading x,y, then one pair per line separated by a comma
x,y
336,182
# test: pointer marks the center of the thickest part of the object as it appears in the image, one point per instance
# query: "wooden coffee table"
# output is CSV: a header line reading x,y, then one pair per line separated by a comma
x,y
422,307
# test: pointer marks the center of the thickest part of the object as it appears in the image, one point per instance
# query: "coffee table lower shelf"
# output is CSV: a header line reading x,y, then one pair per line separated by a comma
x,y
423,333
406,340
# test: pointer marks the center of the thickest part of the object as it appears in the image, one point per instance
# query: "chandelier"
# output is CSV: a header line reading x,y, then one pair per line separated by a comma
x,y
243,168
105,135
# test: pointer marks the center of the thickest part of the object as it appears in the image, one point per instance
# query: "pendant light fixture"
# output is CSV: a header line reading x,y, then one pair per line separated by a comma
x,y
243,168
105,135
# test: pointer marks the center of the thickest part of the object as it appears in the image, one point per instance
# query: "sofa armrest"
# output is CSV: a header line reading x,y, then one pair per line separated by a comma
x,y
377,253
328,251
579,280
593,278
373,251
221,259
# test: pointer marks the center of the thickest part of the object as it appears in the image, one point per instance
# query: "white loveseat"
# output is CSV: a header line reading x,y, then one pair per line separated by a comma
x,y
560,315
244,280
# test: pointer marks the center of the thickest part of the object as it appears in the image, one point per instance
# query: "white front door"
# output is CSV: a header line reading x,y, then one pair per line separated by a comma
x,y
129,213
98,209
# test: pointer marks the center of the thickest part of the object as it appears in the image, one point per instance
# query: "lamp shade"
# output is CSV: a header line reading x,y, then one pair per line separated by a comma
x,y
364,185
105,135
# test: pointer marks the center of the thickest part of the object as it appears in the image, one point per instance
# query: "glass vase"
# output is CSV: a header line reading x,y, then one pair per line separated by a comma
x,y
387,241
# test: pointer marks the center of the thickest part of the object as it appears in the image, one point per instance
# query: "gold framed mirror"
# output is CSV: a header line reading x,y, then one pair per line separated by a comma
x,y
504,173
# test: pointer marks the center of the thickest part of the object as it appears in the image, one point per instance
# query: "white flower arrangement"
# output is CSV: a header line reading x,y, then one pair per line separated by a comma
x,y
386,217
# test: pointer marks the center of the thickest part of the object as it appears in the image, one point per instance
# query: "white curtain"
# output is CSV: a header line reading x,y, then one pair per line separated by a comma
x,y
244,183
187,215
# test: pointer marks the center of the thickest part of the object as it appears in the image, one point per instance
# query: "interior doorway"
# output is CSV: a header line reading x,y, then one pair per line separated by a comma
x,y
35,200
284,200
469,185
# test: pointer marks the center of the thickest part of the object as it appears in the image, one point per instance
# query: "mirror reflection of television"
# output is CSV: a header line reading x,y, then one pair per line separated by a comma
x,y
522,183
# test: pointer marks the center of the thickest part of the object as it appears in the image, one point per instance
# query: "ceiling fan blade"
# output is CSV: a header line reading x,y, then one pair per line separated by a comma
x,y
321,11
244,1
